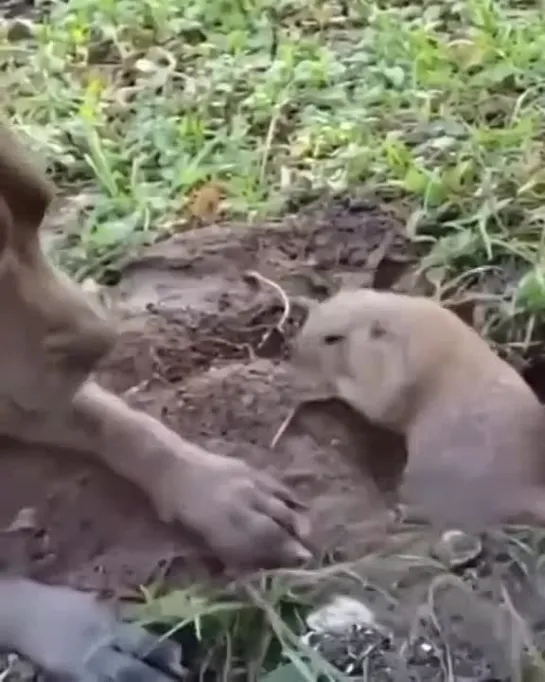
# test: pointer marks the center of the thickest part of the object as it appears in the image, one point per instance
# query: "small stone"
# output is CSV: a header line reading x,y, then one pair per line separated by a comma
x,y
145,66
20,29
423,652
339,615
457,549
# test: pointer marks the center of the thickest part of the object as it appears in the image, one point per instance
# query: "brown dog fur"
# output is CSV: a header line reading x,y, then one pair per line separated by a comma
x,y
475,431
52,337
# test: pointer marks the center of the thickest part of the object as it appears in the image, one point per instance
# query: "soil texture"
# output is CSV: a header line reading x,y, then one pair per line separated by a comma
x,y
204,346
200,349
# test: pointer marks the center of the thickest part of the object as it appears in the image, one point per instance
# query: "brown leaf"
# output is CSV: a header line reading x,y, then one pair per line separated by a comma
x,y
205,202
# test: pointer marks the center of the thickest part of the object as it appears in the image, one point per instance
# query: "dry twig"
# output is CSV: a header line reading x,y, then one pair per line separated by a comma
x,y
280,325
284,427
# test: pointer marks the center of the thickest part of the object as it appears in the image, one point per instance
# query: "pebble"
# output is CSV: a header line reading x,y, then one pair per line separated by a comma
x,y
457,549
339,615
20,29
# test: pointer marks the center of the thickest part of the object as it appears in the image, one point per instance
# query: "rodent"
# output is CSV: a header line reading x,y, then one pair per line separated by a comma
x,y
474,430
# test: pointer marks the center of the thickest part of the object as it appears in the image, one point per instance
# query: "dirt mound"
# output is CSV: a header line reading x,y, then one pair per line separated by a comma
x,y
201,349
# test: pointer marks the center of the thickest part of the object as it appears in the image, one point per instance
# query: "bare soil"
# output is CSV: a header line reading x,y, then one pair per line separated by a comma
x,y
201,349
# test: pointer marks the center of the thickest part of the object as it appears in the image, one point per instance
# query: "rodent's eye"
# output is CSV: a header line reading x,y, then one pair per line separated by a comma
x,y
377,331
332,339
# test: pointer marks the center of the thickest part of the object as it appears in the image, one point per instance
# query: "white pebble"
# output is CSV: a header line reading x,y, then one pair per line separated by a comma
x,y
339,615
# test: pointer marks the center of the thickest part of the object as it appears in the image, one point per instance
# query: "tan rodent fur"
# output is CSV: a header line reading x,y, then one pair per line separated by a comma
x,y
52,336
475,431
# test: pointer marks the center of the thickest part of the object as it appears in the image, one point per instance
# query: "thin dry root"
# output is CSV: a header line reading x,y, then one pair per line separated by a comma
x,y
284,427
252,274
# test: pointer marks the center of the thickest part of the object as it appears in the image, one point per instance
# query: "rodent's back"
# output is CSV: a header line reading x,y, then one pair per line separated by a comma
x,y
477,449
480,413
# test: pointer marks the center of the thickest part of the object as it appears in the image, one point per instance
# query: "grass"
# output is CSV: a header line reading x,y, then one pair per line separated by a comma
x,y
158,112
153,105
252,630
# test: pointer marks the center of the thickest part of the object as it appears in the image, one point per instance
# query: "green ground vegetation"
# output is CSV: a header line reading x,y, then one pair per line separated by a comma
x,y
437,105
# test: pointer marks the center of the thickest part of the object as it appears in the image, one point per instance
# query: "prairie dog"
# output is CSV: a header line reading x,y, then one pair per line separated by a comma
x,y
473,427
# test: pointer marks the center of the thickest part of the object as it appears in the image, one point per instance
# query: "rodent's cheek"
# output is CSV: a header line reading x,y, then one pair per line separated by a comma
x,y
313,383
352,393
307,365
